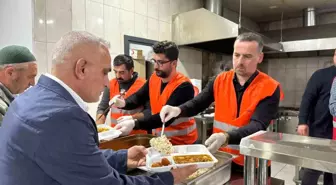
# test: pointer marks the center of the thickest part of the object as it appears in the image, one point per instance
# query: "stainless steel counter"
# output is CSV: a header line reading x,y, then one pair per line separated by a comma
x,y
296,150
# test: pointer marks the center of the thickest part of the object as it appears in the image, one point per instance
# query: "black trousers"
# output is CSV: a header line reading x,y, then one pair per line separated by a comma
x,y
310,177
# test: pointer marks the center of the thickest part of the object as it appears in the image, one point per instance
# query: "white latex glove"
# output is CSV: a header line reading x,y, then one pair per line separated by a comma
x,y
118,101
168,112
125,126
124,118
215,141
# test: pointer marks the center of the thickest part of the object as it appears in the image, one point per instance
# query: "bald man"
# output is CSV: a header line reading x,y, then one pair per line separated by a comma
x,y
18,70
48,138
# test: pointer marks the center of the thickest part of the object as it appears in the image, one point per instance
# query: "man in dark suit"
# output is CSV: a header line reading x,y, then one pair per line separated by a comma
x,y
47,137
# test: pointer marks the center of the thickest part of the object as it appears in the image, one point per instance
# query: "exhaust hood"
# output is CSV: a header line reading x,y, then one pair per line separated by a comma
x,y
310,38
205,30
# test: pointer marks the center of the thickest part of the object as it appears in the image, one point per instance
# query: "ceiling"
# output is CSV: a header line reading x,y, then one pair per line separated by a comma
x,y
270,10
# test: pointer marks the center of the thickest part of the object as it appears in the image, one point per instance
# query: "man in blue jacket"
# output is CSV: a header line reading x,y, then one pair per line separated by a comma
x,y
47,137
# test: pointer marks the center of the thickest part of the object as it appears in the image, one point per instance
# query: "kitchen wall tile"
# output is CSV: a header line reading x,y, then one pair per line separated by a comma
x,y
58,19
164,11
187,5
40,30
78,14
273,63
298,98
50,48
289,100
301,79
140,7
141,26
128,5
290,63
153,29
40,52
95,18
98,1
114,3
290,83
313,62
301,63
153,9
175,6
126,23
194,4
164,31
112,28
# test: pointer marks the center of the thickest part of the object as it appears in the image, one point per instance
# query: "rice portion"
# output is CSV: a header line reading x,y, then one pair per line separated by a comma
x,y
162,145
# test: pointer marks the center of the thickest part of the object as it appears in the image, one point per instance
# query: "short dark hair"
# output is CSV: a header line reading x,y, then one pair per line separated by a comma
x,y
124,59
167,48
249,37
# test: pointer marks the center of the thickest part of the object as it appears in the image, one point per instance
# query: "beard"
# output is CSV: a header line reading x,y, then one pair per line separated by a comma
x,y
162,74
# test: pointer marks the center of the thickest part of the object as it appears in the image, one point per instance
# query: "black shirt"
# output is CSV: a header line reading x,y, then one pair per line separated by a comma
x,y
265,111
180,95
314,108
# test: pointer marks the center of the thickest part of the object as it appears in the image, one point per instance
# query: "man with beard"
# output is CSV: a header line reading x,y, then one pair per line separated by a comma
x,y
165,87
126,82
246,100
18,70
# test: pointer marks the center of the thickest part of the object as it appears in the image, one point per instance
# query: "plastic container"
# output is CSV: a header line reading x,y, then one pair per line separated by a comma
x,y
108,135
180,150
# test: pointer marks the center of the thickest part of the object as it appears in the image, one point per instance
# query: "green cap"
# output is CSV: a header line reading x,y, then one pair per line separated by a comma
x,y
15,55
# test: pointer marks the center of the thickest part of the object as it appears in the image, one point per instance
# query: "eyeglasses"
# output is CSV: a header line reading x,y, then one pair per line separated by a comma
x,y
159,62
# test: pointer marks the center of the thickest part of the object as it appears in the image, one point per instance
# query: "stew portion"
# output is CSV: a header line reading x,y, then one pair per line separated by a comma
x,y
183,159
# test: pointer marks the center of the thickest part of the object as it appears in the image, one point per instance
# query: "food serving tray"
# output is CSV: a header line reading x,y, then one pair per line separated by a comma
x,y
220,173
180,153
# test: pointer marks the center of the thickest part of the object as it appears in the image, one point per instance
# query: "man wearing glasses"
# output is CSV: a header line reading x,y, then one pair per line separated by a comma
x,y
165,87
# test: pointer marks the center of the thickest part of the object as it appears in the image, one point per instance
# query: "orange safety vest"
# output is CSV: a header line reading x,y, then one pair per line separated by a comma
x,y
182,130
226,105
196,91
116,112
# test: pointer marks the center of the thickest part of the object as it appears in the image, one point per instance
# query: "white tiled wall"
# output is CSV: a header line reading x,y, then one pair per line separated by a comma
x,y
16,23
52,19
298,71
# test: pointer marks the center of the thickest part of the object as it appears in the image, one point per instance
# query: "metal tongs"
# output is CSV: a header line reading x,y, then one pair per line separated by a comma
x,y
122,93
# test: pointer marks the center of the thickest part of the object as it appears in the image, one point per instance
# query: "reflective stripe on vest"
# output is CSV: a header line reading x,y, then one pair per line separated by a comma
x,y
226,127
125,112
172,133
180,120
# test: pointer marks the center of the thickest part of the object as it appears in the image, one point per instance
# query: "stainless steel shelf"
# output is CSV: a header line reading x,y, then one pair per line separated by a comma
x,y
308,152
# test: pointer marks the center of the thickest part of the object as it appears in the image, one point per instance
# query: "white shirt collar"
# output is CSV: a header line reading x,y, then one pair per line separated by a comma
x,y
74,95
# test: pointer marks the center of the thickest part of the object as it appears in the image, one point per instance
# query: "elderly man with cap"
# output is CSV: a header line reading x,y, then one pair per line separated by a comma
x,y
18,70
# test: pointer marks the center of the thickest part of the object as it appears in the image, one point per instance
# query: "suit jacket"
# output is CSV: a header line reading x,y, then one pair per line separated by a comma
x,y
47,139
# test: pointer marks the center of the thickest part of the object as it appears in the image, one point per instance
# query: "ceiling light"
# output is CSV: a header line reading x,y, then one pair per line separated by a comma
x,y
273,7
41,21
